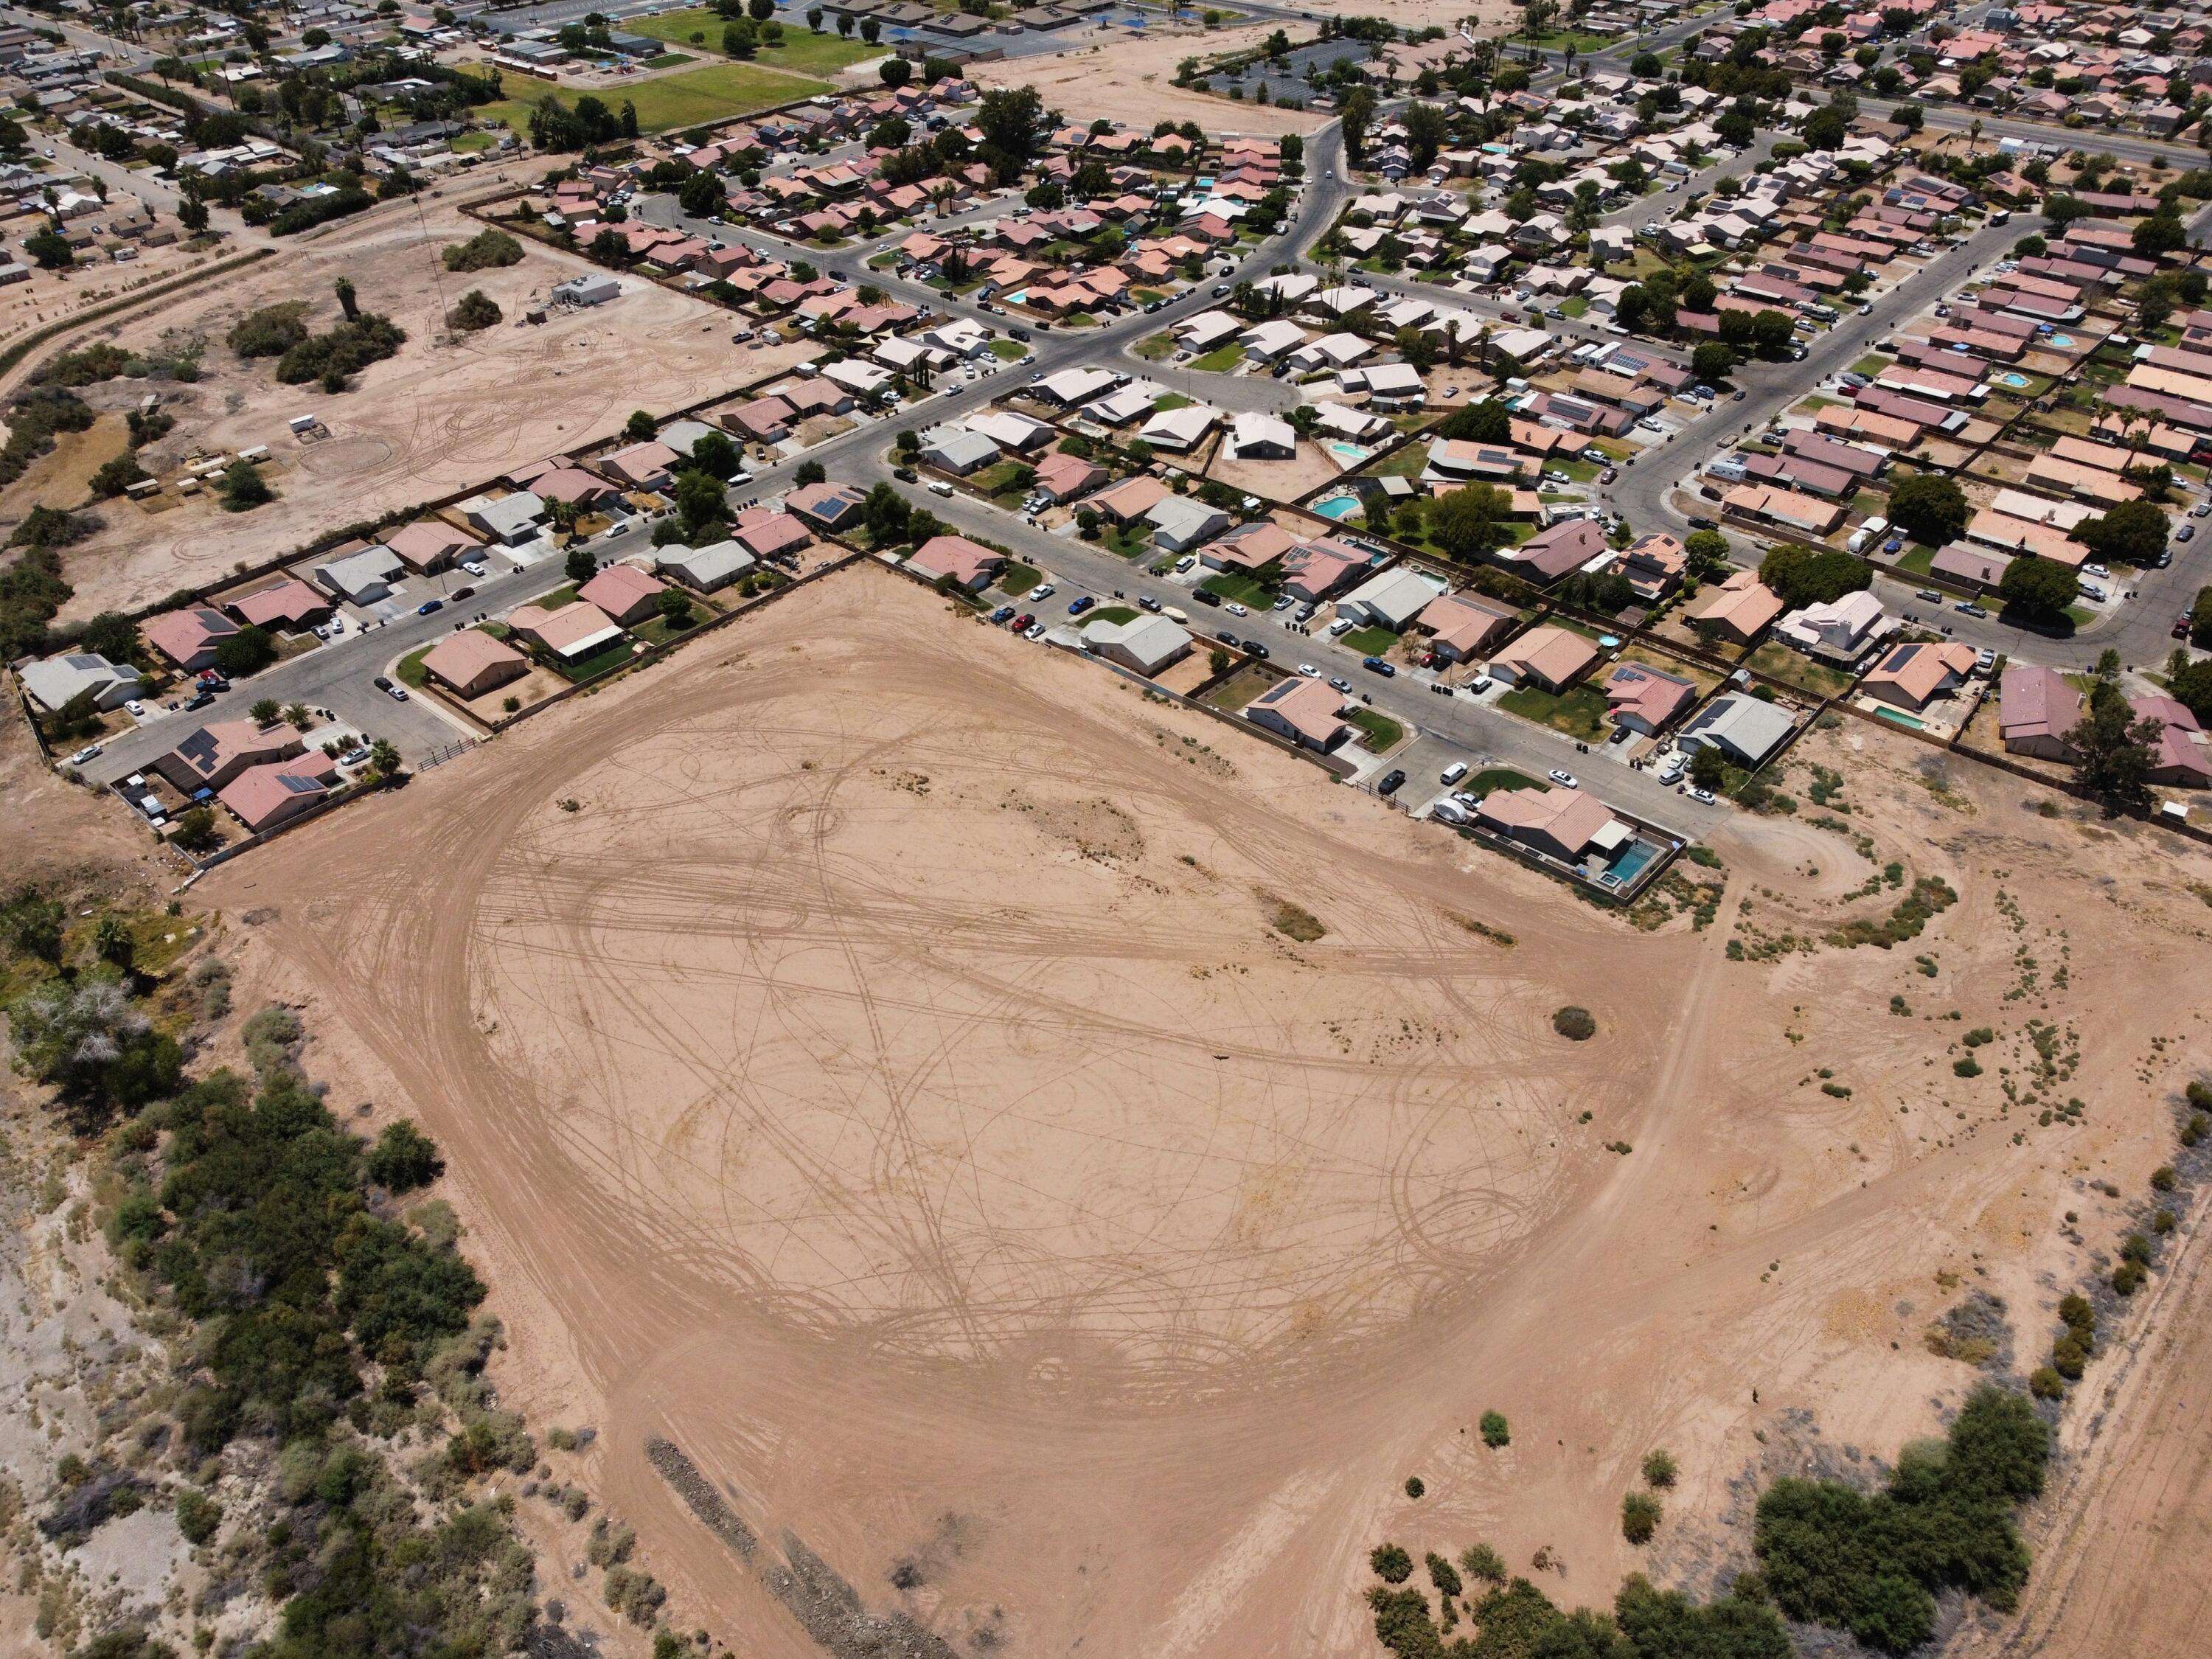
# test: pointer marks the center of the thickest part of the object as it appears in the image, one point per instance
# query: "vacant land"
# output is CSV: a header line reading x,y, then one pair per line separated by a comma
x,y
892,1083
803,51
1133,80
444,414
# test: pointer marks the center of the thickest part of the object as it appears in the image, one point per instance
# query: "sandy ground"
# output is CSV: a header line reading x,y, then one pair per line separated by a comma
x,y
1133,82
886,1083
441,415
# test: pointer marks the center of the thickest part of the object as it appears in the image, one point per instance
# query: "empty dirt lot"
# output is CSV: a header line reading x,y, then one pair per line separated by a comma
x,y
873,1058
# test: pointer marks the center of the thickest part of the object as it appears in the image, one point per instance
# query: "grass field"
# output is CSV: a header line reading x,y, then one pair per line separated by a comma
x,y
1220,360
689,98
1382,733
1369,641
802,53
1579,711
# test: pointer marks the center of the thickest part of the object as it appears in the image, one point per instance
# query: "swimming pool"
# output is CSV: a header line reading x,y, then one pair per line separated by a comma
x,y
2012,380
1021,299
1899,717
2063,342
1339,508
1348,454
1607,641
1630,864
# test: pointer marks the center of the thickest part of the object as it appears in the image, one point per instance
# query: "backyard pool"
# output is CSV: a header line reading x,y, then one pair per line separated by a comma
x,y
2012,380
1339,508
1623,870
2063,342
1898,716
1607,641
1348,455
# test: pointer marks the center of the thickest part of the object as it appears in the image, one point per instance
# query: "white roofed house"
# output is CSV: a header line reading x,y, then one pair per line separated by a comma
x,y
1254,436
1180,523
1274,338
1207,330
1148,645
59,681
1181,430
1391,600
1015,433
507,519
960,452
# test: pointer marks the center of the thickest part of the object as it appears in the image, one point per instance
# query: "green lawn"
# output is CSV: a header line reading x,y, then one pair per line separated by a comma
x,y
659,632
1579,711
1170,400
612,657
1112,613
1018,580
1499,777
1576,306
1369,641
803,51
1779,662
1154,346
689,98
1383,733
411,670
1007,351
468,142
1127,541
1235,585
1220,360
1873,363
1916,561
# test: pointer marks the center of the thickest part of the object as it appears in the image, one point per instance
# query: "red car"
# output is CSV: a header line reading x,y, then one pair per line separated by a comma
x,y
1022,622
2181,626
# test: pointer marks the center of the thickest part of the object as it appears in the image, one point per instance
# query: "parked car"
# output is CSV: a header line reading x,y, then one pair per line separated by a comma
x,y
2186,533
1043,591
197,700
1705,795
1609,475
1338,683
1453,773
1022,623
474,567
1376,665
1206,596
1002,613
90,752
1256,648
905,474
1671,773
1564,780
1034,631
1985,659
1970,609
398,693
1226,635
2101,572
1894,544
2181,626
464,591
1391,784
1930,596
429,606
2202,510
1148,602
1080,604
1705,523
1235,610
354,756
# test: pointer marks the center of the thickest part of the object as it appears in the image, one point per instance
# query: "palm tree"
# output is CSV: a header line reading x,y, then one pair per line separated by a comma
x,y
347,302
113,941
1973,134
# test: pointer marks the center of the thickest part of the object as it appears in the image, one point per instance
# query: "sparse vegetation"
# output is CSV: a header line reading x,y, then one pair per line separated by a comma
x,y
1639,1516
1576,1024
1496,1432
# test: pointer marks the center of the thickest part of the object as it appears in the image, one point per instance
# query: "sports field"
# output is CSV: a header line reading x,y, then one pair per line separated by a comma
x,y
803,51
686,98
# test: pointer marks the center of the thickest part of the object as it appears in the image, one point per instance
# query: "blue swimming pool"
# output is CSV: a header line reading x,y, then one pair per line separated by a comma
x,y
1348,454
1899,717
2012,380
1339,508
1630,864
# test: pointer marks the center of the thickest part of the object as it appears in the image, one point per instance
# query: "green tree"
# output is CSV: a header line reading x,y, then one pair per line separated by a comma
x,y
348,302
2037,587
580,566
639,428
403,1158
1931,509
244,488
1707,767
474,310
1469,522
2132,532
1806,575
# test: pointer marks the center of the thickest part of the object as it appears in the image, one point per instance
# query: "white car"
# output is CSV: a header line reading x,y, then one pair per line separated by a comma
x,y
1235,609
1034,631
1564,780
474,567
134,708
1043,591
1309,670
2097,570
90,752
1185,563
1705,795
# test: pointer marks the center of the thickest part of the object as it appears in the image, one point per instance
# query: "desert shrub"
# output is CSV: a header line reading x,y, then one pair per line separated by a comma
x,y
1659,1469
1443,1575
474,310
1872,1565
1573,1023
1482,1564
1639,1516
404,1159
2068,1358
1966,1066
270,331
2045,1383
488,249
609,1545
198,1516
1391,1563
334,357
1414,1486
634,1594
271,1038
2162,1178
1496,1432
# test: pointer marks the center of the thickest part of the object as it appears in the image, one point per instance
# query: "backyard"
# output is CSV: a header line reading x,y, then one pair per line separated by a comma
x,y
1777,661
1579,711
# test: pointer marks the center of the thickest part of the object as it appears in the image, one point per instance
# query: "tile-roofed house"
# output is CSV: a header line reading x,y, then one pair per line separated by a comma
x,y
1555,551
1306,711
1563,823
1462,625
832,507
290,605
189,637
472,662
1739,609
211,757
1131,499
1063,477
1643,699
2180,757
2037,708
766,535
648,465
1913,675
968,564
627,594
429,545
573,631
1653,564
1317,569
276,792
1547,657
